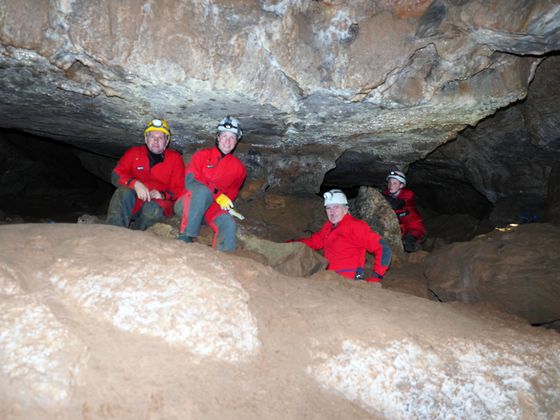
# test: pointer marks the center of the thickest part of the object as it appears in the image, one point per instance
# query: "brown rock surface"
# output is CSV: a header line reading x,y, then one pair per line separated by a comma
x,y
316,79
516,269
172,330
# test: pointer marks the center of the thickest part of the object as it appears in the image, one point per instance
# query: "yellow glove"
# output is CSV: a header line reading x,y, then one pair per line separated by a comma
x,y
224,202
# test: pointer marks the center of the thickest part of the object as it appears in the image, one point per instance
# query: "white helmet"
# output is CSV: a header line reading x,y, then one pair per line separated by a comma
x,y
230,124
335,197
398,175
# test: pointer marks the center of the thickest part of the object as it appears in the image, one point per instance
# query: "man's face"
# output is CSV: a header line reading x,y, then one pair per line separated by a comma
x,y
156,141
336,212
226,142
394,185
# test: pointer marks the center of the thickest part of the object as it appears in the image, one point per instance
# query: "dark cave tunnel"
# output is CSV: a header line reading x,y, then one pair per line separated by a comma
x,y
46,181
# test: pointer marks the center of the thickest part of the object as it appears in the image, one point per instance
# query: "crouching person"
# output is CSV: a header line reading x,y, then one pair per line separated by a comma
x,y
346,240
213,178
403,202
149,179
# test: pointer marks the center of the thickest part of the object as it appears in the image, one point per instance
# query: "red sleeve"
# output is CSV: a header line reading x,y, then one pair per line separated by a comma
x,y
124,169
195,166
375,244
177,178
231,185
317,240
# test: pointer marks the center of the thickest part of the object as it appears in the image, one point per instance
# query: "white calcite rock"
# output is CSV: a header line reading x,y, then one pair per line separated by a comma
x,y
454,379
179,304
40,359
107,322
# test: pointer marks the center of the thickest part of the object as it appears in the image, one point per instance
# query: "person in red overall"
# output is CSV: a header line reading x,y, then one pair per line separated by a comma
x,y
346,240
149,179
213,179
403,203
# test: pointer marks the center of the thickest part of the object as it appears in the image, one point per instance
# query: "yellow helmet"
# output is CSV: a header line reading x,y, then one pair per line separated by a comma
x,y
157,125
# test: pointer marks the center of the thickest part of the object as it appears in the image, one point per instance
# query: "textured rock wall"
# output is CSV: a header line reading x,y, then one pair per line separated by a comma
x,y
507,159
316,79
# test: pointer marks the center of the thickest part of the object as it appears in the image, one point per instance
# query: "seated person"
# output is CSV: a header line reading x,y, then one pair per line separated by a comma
x,y
346,240
402,201
213,179
149,178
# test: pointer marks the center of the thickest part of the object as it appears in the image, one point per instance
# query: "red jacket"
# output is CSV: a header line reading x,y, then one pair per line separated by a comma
x,y
404,205
221,174
346,244
165,177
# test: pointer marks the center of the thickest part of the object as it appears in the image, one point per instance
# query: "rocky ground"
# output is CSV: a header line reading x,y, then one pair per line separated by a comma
x,y
103,322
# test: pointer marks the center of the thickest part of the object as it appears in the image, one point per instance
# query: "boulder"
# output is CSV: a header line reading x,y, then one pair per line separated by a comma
x,y
516,269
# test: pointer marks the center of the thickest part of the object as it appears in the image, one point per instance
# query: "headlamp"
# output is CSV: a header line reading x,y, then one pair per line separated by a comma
x,y
335,197
228,123
155,123
399,176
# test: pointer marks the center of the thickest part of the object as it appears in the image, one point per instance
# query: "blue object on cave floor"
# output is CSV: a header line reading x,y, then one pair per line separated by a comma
x,y
529,216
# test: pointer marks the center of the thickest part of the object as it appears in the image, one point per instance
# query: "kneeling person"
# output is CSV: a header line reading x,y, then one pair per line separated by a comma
x,y
346,240
148,178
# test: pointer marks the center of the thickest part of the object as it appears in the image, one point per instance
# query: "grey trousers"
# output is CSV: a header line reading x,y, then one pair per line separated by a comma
x,y
120,211
200,201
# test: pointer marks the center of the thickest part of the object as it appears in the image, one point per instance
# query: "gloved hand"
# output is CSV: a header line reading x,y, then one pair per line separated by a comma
x,y
360,274
375,278
224,202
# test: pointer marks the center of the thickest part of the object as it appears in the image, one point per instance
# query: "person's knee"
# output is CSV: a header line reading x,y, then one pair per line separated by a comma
x,y
149,214
227,233
152,212
201,192
123,194
120,207
410,243
179,206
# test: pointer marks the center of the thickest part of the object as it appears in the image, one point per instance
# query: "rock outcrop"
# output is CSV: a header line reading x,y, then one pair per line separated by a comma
x,y
515,268
100,322
329,81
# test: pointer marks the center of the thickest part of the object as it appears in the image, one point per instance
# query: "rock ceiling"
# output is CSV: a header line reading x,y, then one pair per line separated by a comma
x,y
386,81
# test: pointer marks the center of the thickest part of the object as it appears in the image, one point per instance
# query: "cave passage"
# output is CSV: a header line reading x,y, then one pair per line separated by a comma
x,y
45,181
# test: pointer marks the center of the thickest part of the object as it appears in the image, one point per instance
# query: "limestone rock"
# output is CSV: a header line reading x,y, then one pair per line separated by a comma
x,y
401,379
553,206
316,79
179,304
292,259
40,358
113,323
517,270
372,207
506,161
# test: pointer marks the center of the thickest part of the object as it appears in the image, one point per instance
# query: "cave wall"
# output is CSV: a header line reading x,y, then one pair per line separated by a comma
x,y
507,158
321,80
